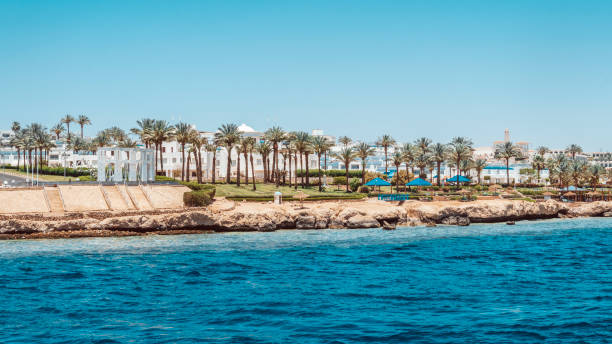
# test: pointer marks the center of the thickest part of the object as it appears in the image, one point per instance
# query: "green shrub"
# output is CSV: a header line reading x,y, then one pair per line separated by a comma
x,y
330,173
164,179
354,184
55,171
339,180
197,198
364,189
208,188
354,196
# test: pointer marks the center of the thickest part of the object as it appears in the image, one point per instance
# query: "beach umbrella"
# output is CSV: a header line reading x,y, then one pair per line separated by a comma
x,y
378,182
418,182
461,179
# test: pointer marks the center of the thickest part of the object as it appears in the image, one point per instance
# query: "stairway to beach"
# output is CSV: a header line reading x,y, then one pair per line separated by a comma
x,y
139,198
55,199
115,198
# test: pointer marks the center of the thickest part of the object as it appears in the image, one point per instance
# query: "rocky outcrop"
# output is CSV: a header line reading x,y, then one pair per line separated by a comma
x,y
231,216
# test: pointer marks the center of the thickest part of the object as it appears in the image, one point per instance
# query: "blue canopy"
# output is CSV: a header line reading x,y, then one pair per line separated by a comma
x,y
462,179
419,182
573,188
378,182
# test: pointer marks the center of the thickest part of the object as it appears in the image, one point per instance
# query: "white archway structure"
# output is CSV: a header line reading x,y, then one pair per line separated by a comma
x,y
126,165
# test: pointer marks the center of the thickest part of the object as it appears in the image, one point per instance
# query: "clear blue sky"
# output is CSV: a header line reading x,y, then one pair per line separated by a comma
x,y
358,68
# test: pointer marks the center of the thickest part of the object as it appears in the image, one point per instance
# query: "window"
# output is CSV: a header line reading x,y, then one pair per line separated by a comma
x,y
259,162
174,160
163,149
233,163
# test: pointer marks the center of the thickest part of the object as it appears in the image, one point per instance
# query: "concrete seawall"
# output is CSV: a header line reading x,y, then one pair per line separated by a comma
x,y
87,198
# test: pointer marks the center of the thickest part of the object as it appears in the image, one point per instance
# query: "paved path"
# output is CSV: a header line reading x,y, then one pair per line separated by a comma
x,y
12,180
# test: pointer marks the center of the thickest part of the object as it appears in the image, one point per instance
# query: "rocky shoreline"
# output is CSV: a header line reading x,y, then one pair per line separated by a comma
x,y
223,216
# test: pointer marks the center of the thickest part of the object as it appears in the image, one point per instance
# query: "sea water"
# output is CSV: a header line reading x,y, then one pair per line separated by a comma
x,y
548,281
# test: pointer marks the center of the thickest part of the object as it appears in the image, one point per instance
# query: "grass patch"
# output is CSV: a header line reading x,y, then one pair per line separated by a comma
x,y
44,177
267,190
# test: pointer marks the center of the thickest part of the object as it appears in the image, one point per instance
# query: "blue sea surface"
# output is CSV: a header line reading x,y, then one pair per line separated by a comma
x,y
548,281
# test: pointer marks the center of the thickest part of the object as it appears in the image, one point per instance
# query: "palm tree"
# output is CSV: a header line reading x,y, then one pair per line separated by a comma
x,y
57,130
162,131
409,153
538,164
542,150
228,135
461,149
363,151
385,142
275,135
573,149
183,135
422,160
264,148
15,127
346,155
251,147
246,146
439,154
345,140
507,151
67,120
594,174
479,165
83,121
422,144
577,170
320,145
302,145
397,159
212,147
144,131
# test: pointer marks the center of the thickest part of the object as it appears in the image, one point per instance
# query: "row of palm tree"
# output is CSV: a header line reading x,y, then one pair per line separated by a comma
x,y
291,147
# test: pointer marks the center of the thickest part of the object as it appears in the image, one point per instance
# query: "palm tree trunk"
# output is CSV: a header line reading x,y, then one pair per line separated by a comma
x,y
302,169
439,163
188,163
363,174
246,168
507,172
214,166
161,156
228,172
183,162
274,163
289,169
238,169
81,131
347,177
307,170
320,186
296,169
386,170
252,170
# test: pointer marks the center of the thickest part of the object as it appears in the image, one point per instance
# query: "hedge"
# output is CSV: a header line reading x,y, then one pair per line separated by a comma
x,y
208,188
291,198
55,171
330,173
197,198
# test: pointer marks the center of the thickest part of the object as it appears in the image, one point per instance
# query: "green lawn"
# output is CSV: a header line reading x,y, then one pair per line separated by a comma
x,y
267,190
42,177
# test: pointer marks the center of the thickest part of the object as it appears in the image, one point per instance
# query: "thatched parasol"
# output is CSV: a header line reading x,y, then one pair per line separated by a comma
x,y
547,193
569,194
593,193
